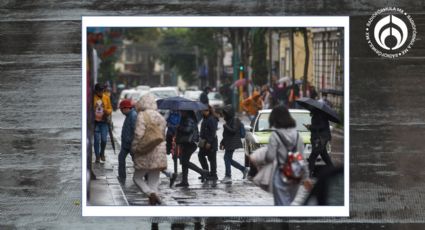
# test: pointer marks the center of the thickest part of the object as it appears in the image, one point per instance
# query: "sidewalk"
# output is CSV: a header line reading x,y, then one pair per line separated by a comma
x,y
106,190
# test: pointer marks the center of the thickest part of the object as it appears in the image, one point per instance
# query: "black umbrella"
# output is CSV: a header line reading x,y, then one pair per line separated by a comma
x,y
180,103
312,104
111,136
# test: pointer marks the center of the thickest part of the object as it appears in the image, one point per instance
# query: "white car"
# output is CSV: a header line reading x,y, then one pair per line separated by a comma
x,y
164,92
192,94
216,101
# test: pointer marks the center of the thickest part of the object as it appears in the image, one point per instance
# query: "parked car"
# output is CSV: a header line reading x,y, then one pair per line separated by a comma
x,y
164,92
216,101
259,134
137,94
192,94
125,94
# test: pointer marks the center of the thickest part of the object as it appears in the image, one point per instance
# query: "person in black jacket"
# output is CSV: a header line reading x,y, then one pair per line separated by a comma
x,y
231,141
186,137
210,145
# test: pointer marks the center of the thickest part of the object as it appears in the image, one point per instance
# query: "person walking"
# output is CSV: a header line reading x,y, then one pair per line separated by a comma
x,y
127,134
186,137
284,189
173,121
204,96
208,144
148,163
103,109
266,97
252,105
320,136
231,141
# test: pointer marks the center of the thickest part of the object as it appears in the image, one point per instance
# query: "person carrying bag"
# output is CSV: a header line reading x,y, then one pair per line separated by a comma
x,y
270,176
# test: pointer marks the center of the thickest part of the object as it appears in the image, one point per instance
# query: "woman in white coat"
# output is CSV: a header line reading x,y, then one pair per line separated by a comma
x,y
148,164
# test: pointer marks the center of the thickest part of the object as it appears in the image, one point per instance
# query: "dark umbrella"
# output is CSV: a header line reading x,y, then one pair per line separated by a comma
x,y
180,103
111,136
312,104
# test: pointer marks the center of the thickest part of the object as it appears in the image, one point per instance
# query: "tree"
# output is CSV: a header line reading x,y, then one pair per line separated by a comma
x,y
259,57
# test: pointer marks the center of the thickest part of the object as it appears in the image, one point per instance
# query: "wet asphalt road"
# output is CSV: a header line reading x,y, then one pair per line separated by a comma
x,y
40,118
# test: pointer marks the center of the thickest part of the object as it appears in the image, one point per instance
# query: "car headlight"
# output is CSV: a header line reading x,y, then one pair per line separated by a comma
x,y
307,149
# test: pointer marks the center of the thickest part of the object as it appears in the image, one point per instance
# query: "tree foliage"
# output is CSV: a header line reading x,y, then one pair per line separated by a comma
x,y
259,57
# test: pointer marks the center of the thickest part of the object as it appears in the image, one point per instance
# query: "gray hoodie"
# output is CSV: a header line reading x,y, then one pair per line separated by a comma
x,y
277,148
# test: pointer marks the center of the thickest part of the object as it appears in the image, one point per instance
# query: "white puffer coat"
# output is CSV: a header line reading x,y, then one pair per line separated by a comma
x,y
157,158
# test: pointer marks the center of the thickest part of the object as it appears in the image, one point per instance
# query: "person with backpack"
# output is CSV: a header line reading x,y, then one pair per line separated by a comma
x,y
127,134
187,136
283,140
232,135
103,109
149,148
208,143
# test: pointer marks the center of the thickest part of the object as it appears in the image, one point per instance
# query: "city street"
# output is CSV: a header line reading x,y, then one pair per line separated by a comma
x,y
239,192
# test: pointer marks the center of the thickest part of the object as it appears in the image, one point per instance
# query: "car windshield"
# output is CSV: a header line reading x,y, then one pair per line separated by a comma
x,y
299,117
193,95
214,96
165,93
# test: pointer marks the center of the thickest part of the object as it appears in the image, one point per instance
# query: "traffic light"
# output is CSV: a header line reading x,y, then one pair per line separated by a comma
x,y
241,67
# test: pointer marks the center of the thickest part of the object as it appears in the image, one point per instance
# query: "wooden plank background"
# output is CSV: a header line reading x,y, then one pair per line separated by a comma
x,y
40,50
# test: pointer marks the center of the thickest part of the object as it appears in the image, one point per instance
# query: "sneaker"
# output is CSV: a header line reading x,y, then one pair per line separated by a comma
x,y
245,172
182,184
173,179
212,177
226,180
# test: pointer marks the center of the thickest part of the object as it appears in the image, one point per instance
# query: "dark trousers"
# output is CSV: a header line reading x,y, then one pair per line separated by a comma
x,y
212,158
121,162
187,150
318,148
228,162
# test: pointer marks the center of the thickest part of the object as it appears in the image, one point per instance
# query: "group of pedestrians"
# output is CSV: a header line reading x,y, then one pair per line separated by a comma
x,y
179,137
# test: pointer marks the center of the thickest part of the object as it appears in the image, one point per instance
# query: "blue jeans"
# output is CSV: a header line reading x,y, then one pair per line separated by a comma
x,y
100,135
121,162
228,161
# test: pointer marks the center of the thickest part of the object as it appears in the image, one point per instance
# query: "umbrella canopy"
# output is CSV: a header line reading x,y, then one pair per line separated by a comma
x,y
312,104
180,103
239,82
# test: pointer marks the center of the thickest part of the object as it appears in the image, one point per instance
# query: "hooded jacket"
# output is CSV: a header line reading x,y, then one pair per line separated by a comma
x,y
209,131
157,158
231,130
275,149
102,106
252,104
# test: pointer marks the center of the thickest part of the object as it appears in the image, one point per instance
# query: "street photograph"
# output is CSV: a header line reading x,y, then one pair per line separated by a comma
x,y
221,117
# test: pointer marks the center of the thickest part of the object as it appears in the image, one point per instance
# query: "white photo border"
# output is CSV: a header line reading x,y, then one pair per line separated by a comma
x,y
217,21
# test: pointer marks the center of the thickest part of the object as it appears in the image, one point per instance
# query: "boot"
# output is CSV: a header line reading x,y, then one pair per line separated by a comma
x,y
182,184
97,159
154,199
173,179
102,150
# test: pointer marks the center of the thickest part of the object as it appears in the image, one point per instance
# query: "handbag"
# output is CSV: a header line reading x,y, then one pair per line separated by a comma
x,y
263,176
152,137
